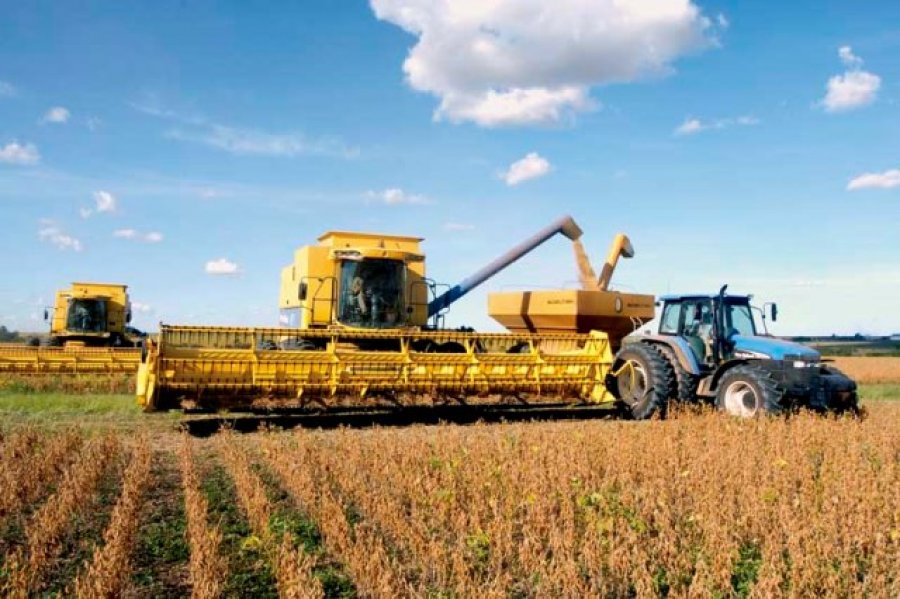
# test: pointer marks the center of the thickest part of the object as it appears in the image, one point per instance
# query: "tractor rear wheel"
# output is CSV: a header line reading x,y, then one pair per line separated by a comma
x,y
748,391
642,381
684,384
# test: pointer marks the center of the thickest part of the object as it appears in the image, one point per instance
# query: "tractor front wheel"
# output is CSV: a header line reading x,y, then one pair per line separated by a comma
x,y
642,379
748,391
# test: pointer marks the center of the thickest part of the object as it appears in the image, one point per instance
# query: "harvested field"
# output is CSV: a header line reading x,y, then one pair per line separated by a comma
x,y
700,504
870,370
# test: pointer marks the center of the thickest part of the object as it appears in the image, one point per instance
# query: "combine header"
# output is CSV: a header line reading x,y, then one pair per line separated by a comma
x,y
363,327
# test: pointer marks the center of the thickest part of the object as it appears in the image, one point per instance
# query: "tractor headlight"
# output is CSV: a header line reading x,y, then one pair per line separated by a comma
x,y
804,364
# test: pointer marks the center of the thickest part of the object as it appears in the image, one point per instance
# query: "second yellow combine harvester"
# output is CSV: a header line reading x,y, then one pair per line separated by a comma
x,y
361,325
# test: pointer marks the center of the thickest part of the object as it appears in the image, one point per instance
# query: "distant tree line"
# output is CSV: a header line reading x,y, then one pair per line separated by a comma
x,y
7,336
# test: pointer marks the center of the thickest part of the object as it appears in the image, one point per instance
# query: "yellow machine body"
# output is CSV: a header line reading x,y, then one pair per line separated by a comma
x,y
361,325
572,311
25,360
90,314
328,284
222,367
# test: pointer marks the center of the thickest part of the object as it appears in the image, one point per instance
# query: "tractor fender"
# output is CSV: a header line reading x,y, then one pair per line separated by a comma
x,y
681,348
709,384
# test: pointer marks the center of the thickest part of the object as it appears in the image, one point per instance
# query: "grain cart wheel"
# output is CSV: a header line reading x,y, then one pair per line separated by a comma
x,y
749,391
642,380
684,384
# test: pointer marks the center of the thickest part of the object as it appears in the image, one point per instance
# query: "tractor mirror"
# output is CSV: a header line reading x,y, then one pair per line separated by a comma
x,y
774,312
128,317
46,314
301,292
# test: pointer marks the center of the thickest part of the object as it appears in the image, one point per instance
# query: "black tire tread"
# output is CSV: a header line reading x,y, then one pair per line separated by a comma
x,y
771,391
660,379
684,384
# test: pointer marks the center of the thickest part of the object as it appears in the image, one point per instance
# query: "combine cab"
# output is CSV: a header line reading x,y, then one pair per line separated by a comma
x,y
92,315
362,326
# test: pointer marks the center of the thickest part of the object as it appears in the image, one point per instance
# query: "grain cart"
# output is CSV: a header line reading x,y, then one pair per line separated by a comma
x,y
362,325
709,347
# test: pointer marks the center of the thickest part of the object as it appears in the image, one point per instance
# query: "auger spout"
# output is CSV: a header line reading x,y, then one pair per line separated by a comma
x,y
565,225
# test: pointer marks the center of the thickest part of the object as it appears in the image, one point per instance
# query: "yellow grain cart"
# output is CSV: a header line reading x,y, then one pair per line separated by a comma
x,y
362,325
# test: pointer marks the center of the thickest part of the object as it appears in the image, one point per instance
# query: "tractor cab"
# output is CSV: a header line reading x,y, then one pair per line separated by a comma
x,y
718,328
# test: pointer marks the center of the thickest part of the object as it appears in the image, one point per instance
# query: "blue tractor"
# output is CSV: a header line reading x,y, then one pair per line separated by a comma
x,y
708,348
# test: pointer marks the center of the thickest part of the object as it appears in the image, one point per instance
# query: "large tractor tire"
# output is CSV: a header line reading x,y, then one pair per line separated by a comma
x,y
643,381
841,391
748,391
684,384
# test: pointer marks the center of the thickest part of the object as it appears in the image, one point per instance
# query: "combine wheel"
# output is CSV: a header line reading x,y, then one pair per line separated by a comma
x,y
642,380
749,391
684,384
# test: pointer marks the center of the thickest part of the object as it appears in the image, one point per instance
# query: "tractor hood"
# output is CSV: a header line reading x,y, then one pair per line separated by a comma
x,y
773,349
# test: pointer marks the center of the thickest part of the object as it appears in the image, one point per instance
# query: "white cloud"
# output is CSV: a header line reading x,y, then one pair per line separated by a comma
x,y
394,196
141,307
526,62
853,89
222,266
57,114
104,201
694,125
125,233
16,153
246,141
848,57
531,166
455,226
133,234
886,180
51,232
7,90
92,123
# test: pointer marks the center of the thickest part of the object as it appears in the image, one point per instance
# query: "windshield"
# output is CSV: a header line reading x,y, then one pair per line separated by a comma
x,y
86,316
372,293
739,320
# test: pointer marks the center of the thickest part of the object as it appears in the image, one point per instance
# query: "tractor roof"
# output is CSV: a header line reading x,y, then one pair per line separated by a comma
x,y
694,296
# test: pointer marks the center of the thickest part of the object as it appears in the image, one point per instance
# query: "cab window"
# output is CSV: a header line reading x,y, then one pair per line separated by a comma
x,y
668,324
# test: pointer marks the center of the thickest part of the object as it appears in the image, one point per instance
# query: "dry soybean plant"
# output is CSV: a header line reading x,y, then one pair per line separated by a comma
x,y
110,567
46,528
293,568
207,564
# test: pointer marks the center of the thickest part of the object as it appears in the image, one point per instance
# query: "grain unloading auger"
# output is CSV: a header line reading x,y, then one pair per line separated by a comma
x,y
361,326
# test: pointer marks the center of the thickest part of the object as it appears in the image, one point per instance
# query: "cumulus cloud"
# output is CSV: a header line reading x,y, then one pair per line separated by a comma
x,y
246,141
531,166
133,234
50,232
103,202
141,307
845,53
16,153
886,180
222,266
57,115
694,125
394,196
527,62
853,89
7,90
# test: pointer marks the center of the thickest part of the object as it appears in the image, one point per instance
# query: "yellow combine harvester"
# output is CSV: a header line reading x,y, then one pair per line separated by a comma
x,y
89,334
362,326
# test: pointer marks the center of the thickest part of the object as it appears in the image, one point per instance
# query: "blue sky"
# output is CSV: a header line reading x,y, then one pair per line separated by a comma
x,y
168,144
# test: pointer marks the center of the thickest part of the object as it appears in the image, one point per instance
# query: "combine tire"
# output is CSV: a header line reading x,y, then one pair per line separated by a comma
x,y
643,380
748,391
684,384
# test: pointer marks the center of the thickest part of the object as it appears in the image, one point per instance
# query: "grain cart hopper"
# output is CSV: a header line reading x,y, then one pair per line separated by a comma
x,y
362,326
